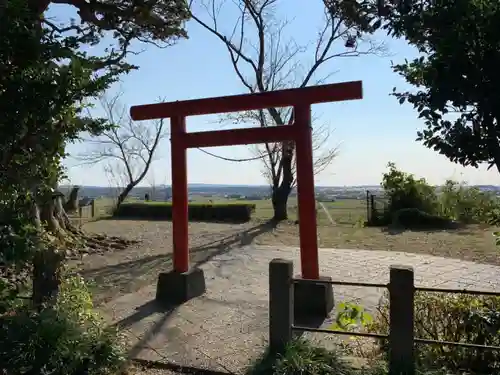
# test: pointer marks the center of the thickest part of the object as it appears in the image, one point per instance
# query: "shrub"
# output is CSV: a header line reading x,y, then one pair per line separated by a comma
x,y
456,202
68,338
300,357
404,191
230,212
65,337
18,244
469,204
453,318
413,218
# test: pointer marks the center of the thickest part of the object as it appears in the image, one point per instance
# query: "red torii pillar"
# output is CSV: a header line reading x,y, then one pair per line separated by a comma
x,y
184,283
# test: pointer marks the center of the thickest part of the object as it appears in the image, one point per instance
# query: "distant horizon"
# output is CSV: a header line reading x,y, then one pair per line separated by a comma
x,y
242,185
208,184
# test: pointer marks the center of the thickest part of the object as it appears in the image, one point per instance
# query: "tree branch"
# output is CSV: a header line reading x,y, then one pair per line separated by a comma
x,y
129,146
263,60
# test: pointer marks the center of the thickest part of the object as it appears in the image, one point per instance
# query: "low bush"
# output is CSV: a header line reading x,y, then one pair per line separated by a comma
x,y
413,218
419,205
68,338
405,191
18,244
64,336
224,212
469,204
453,318
301,357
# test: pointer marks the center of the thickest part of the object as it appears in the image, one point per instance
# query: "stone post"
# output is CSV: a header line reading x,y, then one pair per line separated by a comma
x,y
280,304
401,330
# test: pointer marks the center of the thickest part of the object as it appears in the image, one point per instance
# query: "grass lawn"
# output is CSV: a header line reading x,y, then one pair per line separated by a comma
x,y
474,242
348,211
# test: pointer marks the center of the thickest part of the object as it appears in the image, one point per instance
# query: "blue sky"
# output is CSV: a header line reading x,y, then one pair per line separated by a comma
x,y
368,132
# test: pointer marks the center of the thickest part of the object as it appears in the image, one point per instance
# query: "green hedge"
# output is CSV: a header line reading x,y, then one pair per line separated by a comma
x,y
227,212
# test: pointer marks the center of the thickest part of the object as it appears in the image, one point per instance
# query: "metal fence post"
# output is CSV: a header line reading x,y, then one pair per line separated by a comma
x,y
401,330
368,216
280,304
93,208
374,214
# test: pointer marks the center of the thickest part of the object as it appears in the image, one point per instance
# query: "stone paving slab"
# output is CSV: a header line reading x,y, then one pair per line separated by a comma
x,y
227,328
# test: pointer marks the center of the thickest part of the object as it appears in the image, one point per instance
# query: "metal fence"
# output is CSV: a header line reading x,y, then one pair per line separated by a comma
x,y
377,206
401,337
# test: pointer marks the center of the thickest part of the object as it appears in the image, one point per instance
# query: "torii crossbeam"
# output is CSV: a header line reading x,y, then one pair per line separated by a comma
x,y
300,132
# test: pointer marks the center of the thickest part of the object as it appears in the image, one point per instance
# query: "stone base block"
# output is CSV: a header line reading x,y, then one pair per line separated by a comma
x,y
175,288
313,301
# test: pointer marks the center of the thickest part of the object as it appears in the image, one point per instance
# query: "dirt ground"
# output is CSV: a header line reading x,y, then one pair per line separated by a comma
x,y
125,271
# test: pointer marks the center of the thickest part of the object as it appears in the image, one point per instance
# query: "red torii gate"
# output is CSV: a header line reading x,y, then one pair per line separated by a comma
x,y
300,131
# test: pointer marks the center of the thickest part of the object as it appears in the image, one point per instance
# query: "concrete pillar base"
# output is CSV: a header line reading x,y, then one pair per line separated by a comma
x,y
313,301
175,288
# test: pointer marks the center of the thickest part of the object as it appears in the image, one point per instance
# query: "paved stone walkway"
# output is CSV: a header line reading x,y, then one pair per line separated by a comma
x,y
226,329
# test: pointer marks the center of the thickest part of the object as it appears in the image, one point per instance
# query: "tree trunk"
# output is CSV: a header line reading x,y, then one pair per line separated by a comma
x,y
47,265
48,261
34,215
71,204
280,200
124,194
61,215
47,208
281,191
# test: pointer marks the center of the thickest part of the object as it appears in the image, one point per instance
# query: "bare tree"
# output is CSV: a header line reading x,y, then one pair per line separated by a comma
x,y
264,60
127,150
151,180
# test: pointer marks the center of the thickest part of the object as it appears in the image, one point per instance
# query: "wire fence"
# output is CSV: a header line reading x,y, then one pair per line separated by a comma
x,y
377,208
401,337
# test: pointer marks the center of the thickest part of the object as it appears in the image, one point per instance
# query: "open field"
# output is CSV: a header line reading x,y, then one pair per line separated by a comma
x,y
343,212
474,242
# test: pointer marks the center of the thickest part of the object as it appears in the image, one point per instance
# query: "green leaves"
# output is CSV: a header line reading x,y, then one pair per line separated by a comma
x,y
454,318
456,77
350,317
69,338
497,237
46,75
40,100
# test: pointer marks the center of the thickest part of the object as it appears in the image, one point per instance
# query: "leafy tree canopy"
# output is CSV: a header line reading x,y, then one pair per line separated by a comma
x,y
46,75
457,79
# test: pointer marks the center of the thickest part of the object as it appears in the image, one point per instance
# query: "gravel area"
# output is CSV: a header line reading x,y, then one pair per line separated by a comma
x,y
137,369
124,271
121,271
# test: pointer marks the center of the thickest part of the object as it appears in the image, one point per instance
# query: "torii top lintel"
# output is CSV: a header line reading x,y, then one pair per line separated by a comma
x,y
280,98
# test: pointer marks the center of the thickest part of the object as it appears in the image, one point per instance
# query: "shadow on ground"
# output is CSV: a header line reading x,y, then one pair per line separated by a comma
x,y
125,277
460,229
142,312
265,364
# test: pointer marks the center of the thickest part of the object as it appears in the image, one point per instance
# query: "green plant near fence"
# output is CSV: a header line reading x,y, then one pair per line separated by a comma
x,y
444,317
223,212
458,330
